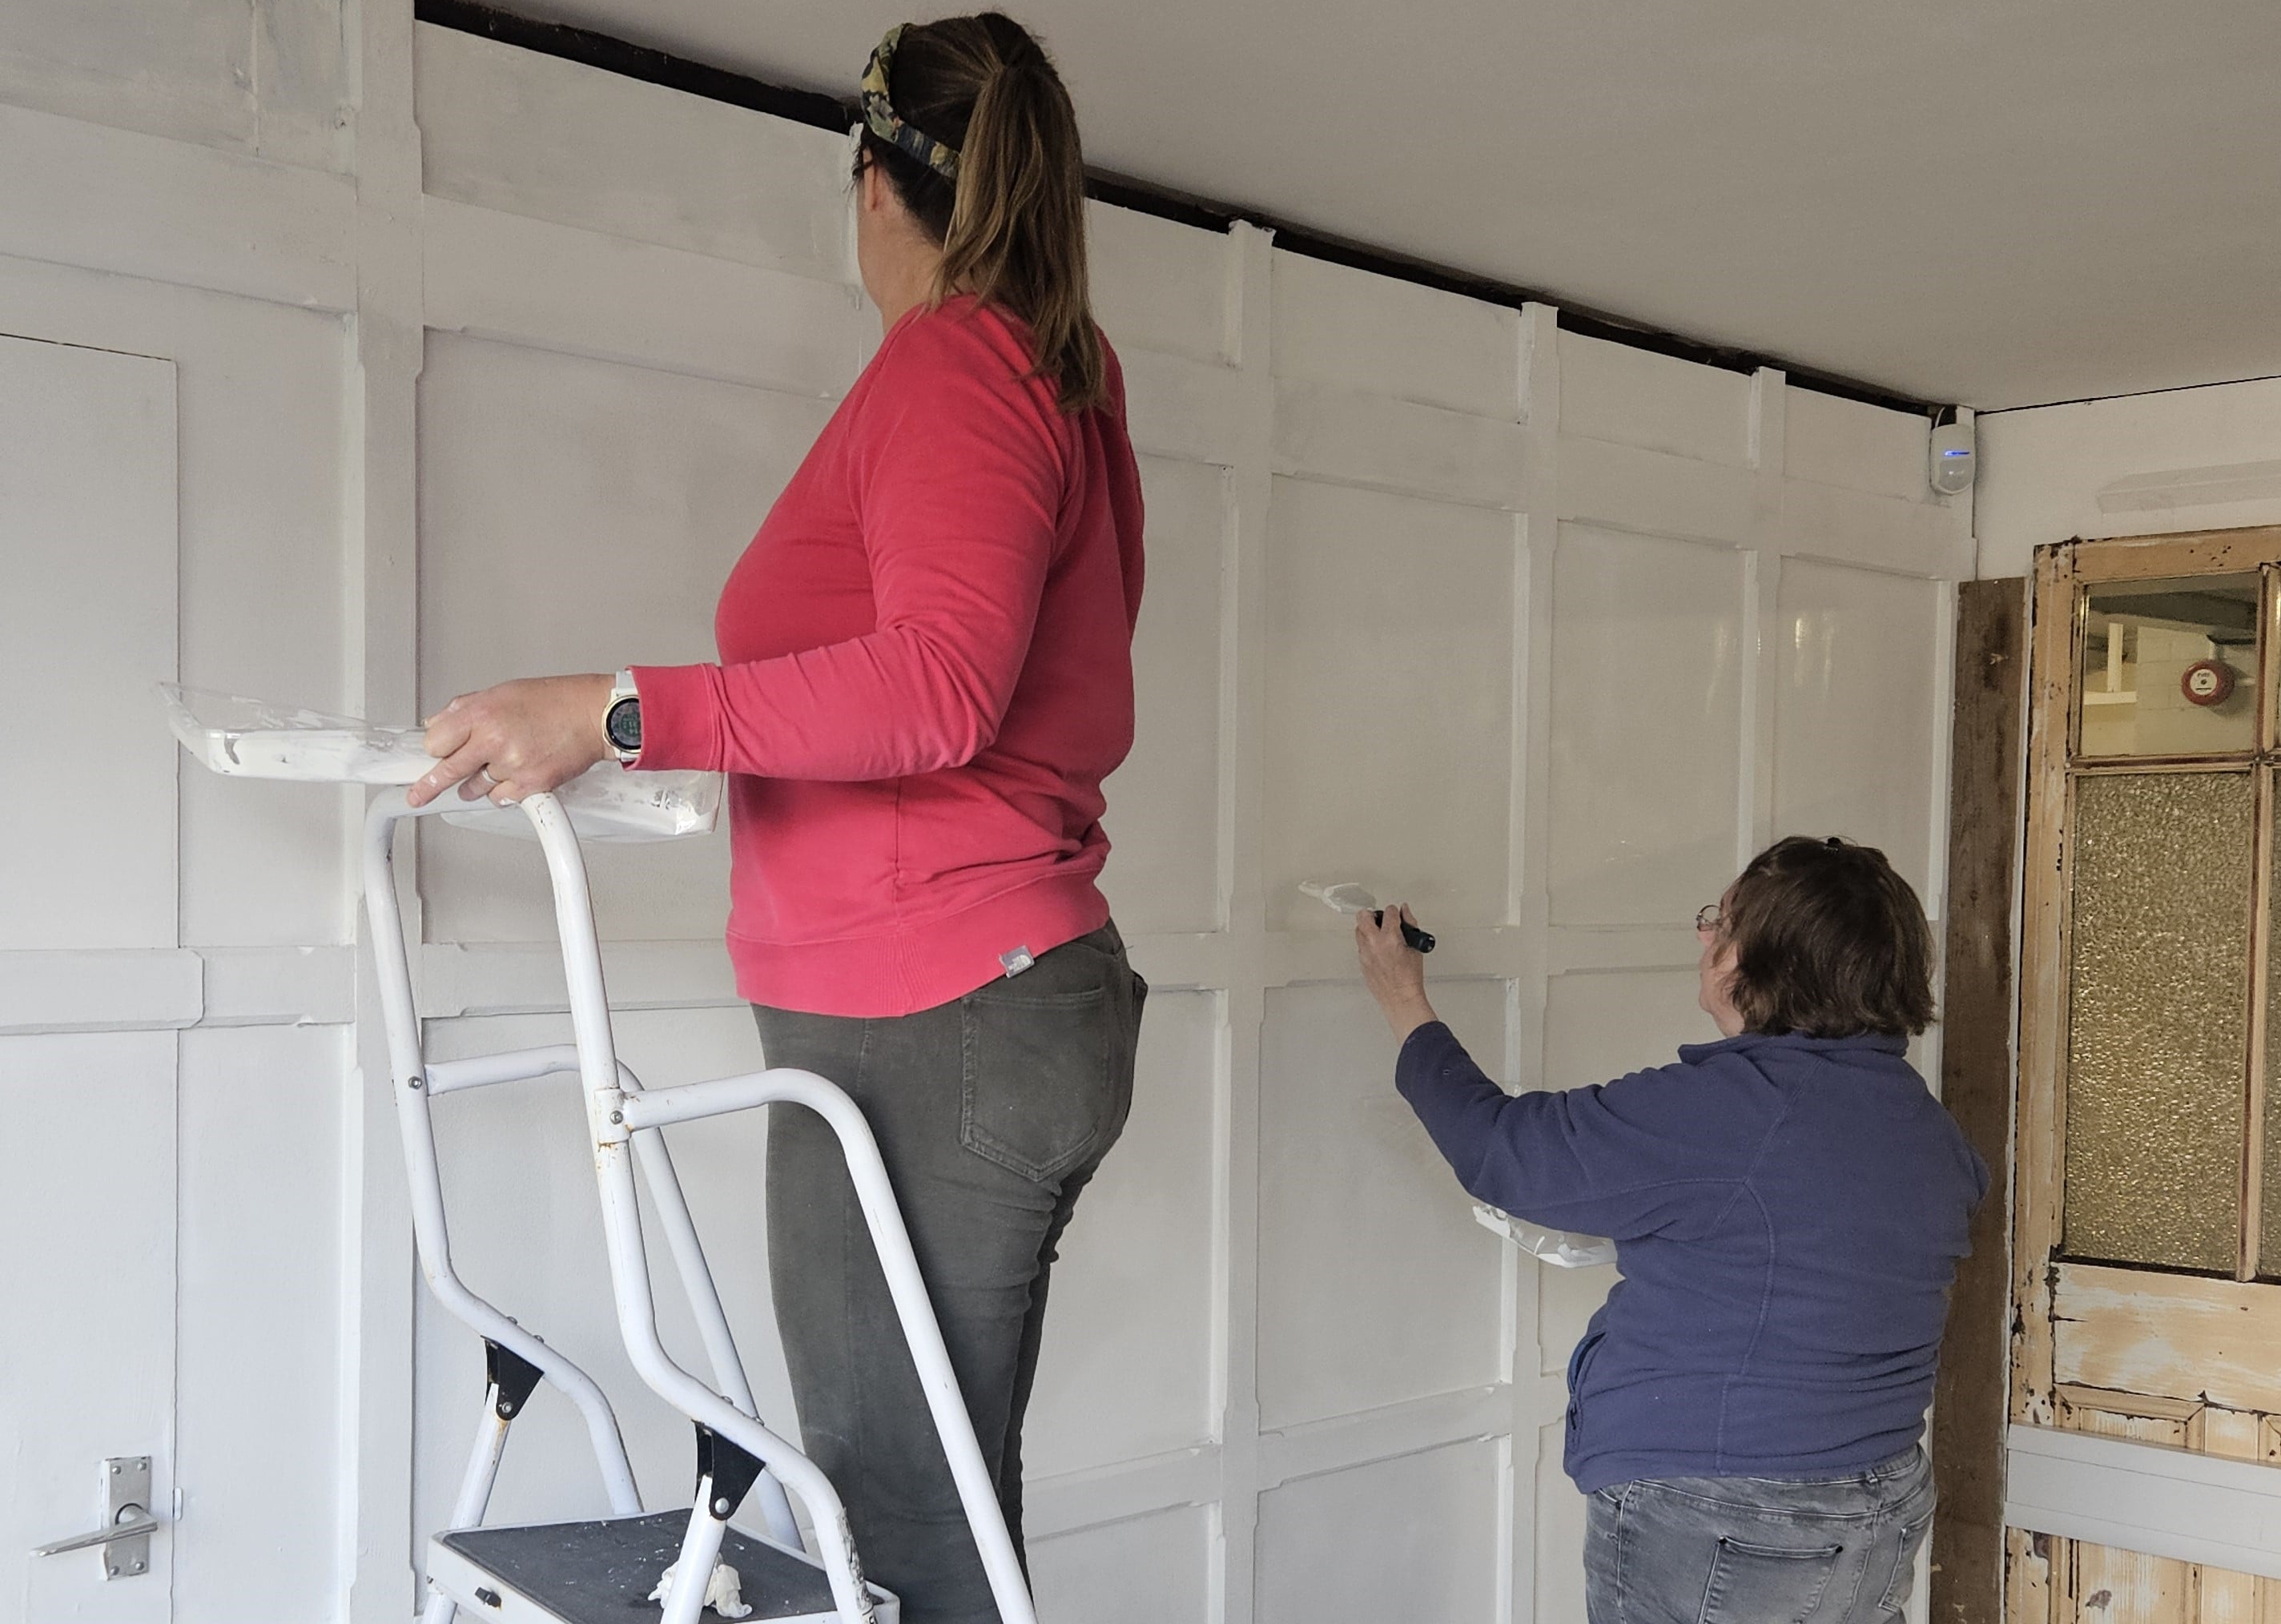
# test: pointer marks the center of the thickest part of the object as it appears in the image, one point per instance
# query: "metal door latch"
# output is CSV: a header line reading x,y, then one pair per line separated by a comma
x,y
126,1537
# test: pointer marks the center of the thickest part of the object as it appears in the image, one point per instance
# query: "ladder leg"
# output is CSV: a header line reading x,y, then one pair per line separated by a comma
x,y
692,1572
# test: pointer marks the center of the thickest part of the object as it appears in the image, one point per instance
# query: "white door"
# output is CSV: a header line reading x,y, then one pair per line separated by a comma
x,y
88,904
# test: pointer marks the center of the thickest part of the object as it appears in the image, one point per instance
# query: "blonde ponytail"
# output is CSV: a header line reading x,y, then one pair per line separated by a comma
x,y
1012,225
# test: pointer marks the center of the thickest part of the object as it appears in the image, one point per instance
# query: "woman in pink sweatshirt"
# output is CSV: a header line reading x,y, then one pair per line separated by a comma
x,y
926,674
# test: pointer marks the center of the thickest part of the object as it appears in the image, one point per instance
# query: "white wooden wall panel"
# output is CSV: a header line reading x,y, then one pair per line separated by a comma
x,y
1830,440
1375,1284
1389,702
548,139
623,495
262,76
1414,1537
1164,818
1610,392
262,1113
1335,325
1647,689
1132,1295
89,1373
1860,709
87,501
1144,1570
1394,533
1158,286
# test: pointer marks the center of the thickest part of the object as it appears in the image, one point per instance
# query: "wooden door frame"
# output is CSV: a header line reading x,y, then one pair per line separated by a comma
x,y
2054,642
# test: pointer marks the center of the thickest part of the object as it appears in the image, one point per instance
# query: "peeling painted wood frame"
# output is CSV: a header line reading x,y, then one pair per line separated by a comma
x,y
2168,1308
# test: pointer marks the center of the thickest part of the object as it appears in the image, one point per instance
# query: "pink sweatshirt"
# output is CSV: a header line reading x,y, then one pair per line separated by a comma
x,y
926,673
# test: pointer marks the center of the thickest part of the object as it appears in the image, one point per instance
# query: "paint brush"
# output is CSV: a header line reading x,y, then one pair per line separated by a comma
x,y
1351,899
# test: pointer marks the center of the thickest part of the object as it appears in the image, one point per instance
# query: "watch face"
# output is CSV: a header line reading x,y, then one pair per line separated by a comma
x,y
624,724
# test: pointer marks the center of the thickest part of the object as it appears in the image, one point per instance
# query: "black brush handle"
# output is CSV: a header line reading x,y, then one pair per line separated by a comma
x,y
1422,940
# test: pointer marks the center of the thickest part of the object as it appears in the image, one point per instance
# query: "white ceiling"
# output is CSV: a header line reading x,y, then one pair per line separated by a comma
x,y
1994,202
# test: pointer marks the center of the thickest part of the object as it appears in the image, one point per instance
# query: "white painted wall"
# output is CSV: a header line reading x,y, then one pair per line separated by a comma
x,y
1543,633
2136,464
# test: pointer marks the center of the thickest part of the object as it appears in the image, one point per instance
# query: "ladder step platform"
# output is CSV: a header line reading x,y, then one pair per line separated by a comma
x,y
603,1572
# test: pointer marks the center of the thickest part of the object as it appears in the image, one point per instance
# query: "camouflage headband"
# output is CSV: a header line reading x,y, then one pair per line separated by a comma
x,y
879,115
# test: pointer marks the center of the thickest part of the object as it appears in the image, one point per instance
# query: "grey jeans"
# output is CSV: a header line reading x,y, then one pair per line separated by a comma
x,y
992,1112
1758,1550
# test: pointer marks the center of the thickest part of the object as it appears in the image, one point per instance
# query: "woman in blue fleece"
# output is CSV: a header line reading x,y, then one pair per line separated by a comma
x,y
1787,1206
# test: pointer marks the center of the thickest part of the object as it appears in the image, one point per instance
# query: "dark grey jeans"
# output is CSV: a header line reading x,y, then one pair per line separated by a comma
x,y
1758,1550
991,1113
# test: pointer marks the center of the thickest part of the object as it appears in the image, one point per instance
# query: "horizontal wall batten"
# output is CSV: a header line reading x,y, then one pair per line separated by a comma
x,y
2137,1496
129,990
1187,409
83,194
1382,1435
455,979
1074,1500
556,287
1656,493
280,986
1347,436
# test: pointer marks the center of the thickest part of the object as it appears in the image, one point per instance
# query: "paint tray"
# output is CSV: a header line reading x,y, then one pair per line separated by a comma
x,y
1558,1247
252,739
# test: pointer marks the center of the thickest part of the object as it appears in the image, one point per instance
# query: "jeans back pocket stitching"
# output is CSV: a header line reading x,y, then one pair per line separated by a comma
x,y
977,1139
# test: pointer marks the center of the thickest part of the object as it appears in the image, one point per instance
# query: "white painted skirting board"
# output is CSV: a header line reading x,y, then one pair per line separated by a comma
x,y
2146,1498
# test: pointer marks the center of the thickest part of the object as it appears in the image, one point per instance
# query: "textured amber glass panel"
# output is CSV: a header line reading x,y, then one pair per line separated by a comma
x,y
2159,1018
2268,1247
2169,667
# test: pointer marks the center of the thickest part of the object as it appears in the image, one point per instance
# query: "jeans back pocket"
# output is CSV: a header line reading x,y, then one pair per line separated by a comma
x,y
1040,1090
1767,1584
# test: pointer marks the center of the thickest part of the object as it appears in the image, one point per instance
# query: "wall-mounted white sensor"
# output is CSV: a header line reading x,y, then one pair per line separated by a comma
x,y
1952,459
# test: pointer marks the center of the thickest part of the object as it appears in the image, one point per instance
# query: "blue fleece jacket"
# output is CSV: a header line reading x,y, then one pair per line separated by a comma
x,y
1787,1212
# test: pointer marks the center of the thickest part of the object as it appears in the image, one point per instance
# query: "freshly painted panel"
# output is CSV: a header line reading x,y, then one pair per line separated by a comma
x,y
1336,325
1613,391
1155,1569
1833,441
1599,1026
1415,1537
1390,663
1126,1370
87,515
519,1187
1857,723
258,1376
1647,726
533,134
1375,1283
1163,803
580,516
1157,285
89,1277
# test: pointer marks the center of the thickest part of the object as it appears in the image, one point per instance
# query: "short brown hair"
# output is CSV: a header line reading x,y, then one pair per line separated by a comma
x,y
1012,226
1829,941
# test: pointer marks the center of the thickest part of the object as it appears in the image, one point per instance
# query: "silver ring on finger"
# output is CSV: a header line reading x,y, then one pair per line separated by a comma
x,y
486,773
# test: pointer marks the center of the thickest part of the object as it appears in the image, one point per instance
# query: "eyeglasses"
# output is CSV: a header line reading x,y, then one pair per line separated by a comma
x,y
1706,918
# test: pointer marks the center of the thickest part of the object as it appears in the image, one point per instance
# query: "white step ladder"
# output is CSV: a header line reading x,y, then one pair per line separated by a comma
x,y
602,1571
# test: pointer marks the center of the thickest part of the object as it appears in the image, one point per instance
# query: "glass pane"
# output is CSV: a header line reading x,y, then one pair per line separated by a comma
x,y
2159,1018
2169,667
